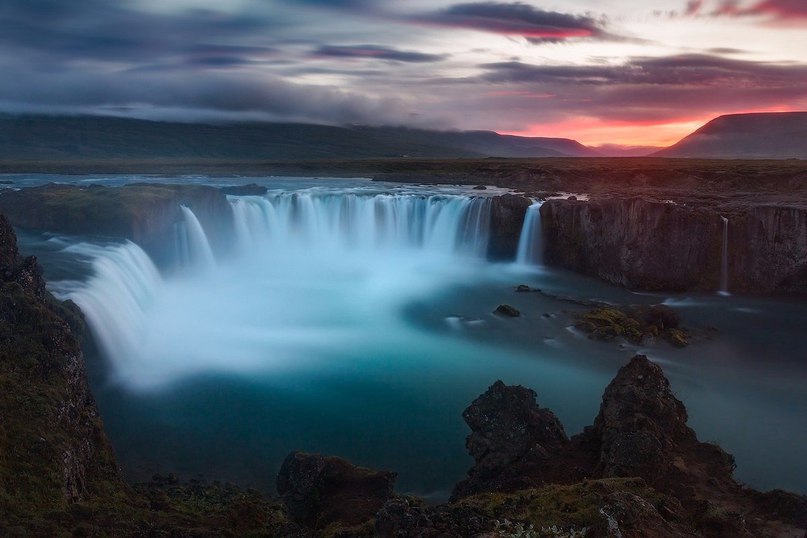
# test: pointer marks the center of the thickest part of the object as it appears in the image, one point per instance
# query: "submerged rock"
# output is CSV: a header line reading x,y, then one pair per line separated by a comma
x,y
321,490
507,310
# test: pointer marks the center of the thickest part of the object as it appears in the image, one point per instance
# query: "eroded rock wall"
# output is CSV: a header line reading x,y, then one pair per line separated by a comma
x,y
651,245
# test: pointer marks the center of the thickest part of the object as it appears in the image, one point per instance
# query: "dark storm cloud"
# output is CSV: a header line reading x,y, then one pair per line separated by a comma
x,y
646,89
201,95
58,31
376,52
693,69
516,19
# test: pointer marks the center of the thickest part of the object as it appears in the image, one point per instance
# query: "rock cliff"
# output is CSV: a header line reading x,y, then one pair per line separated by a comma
x,y
652,245
54,451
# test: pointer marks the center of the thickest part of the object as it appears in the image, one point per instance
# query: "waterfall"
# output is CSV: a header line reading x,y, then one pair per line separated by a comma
x,y
724,259
530,242
442,225
118,296
310,271
199,251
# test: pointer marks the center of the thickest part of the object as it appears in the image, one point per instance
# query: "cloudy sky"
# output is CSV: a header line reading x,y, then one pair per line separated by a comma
x,y
626,72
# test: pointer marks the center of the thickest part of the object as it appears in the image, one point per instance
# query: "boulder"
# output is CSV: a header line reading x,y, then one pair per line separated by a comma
x,y
321,490
507,311
508,429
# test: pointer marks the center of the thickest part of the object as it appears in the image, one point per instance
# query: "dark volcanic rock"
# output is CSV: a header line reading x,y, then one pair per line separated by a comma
x,y
640,423
641,431
320,490
507,428
506,220
507,310
403,516
652,245
767,249
634,242
55,451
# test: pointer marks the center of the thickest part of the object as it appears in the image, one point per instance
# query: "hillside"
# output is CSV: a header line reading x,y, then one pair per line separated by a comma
x,y
67,138
775,135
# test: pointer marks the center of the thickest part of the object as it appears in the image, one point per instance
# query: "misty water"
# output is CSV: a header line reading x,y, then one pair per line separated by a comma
x,y
355,318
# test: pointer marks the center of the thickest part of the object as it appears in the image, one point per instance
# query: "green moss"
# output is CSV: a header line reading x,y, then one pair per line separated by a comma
x,y
609,323
633,323
566,507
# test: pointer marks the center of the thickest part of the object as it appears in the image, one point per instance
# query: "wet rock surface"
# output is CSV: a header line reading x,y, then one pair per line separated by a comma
x,y
507,214
507,311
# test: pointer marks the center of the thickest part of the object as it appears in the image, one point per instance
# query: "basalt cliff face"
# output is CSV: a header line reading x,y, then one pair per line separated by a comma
x,y
767,249
652,245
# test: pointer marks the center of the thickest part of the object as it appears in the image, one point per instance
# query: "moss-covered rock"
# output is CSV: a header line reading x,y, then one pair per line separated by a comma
x,y
634,323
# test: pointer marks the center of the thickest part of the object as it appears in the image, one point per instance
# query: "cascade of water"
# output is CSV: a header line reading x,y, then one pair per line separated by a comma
x,y
312,270
724,259
530,242
117,297
438,224
200,253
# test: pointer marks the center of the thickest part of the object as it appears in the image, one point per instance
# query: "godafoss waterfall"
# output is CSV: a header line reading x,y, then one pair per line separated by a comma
x,y
355,318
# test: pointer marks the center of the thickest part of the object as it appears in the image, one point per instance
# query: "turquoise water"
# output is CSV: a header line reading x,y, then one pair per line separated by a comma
x,y
329,338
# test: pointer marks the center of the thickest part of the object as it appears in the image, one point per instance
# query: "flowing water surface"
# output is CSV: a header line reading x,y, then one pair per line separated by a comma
x,y
355,318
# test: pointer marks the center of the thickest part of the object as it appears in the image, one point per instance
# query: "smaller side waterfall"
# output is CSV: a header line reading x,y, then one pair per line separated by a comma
x,y
530,242
200,253
724,259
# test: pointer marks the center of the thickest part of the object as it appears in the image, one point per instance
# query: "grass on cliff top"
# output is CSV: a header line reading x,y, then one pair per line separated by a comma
x,y
575,506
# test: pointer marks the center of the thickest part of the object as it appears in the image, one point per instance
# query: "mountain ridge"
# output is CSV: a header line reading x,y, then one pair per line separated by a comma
x,y
758,135
42,137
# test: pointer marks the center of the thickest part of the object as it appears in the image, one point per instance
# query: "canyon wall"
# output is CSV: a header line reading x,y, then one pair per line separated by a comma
x,y
651,245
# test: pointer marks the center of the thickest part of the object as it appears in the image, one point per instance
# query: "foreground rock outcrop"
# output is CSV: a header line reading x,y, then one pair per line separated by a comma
x,y
320,491
54,449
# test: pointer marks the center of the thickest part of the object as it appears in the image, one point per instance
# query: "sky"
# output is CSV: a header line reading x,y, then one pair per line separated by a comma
x,y
604,72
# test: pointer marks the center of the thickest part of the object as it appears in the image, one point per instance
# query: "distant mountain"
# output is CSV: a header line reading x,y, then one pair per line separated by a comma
x,y
40,137
620,150
774,135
